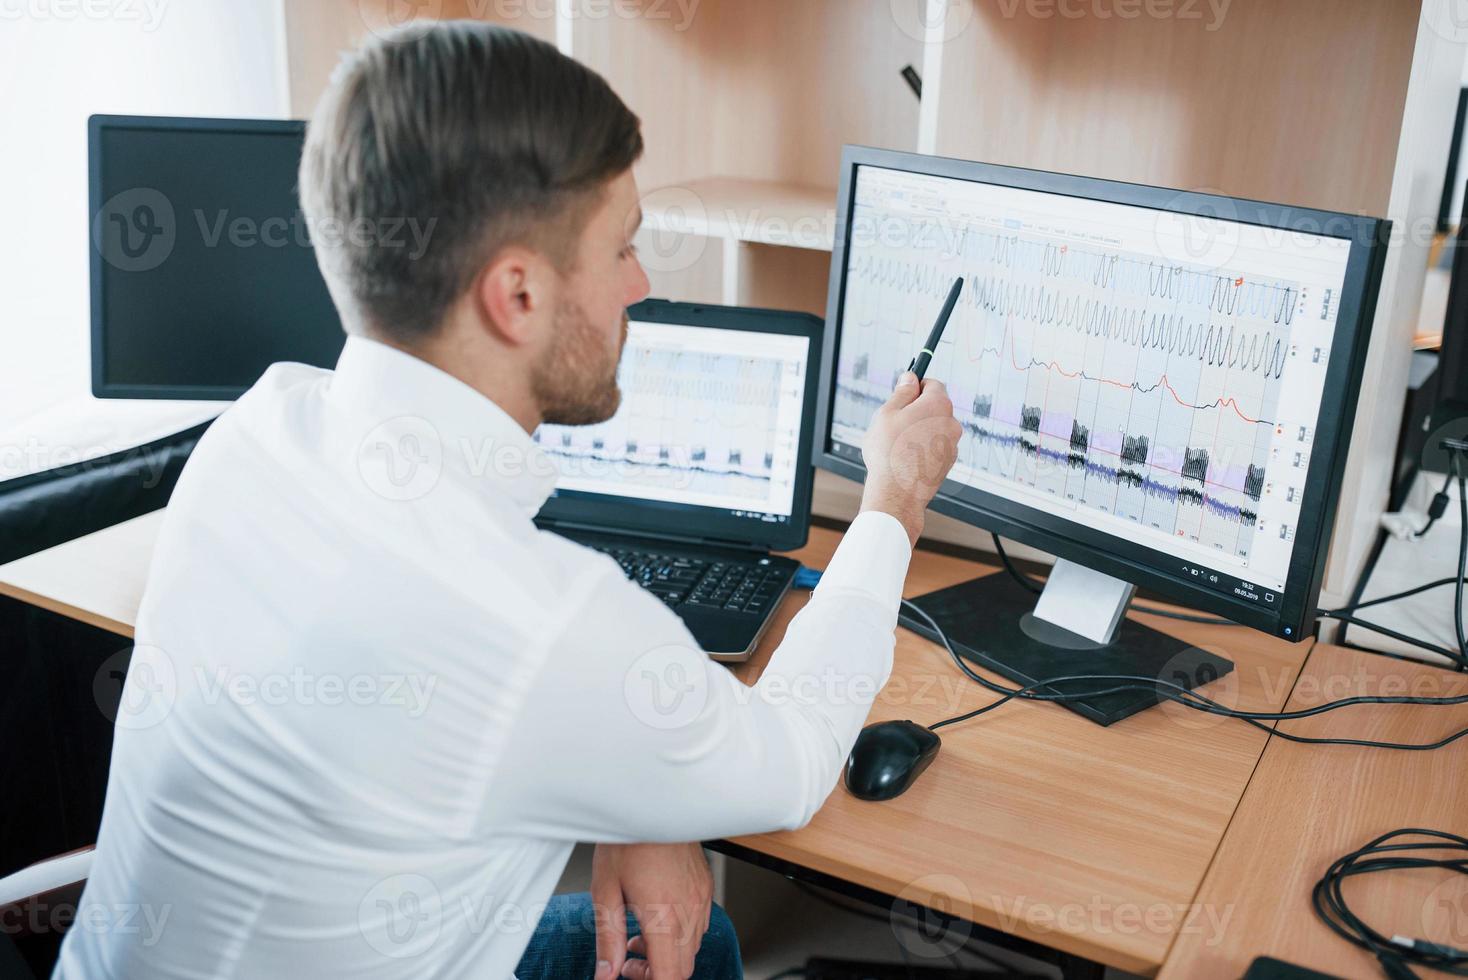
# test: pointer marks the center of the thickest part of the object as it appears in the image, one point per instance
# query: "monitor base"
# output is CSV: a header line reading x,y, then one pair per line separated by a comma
x,y
990,621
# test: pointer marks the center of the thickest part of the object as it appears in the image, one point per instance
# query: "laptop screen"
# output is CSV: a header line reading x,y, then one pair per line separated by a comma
x,y
709,431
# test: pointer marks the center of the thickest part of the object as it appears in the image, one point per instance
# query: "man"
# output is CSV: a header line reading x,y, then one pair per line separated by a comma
x,y
372,707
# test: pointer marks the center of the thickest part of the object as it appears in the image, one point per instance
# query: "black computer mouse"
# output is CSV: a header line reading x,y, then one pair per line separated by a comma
x,y
888,757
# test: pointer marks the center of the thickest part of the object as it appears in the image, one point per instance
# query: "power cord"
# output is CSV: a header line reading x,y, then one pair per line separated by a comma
x,y
1037,588
1459,657
1396,954
1181,695
1438,507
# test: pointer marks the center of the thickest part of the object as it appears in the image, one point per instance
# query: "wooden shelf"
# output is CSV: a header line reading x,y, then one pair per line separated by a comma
x,y
745,105
763,211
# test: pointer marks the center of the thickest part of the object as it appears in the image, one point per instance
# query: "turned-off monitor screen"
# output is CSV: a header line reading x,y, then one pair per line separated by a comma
x,y
203,272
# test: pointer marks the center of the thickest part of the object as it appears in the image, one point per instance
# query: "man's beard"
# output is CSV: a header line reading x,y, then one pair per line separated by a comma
x,y
576,382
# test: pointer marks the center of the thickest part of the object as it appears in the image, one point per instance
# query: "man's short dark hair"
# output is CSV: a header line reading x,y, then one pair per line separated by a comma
x,y
474,135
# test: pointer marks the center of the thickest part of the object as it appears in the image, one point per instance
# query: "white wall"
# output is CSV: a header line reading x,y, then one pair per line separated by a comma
x,y
60,61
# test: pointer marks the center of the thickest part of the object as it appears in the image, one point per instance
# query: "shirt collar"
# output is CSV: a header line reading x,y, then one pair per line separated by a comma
x,y
385,391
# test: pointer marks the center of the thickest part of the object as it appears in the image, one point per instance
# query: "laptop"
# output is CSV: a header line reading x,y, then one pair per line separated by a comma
x,y
705,470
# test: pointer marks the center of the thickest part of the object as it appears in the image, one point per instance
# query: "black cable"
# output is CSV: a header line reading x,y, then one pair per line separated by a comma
x,y
1439,503
1456,658
1405,593
1462,560
1188,698
1460,656
1035,587
1394,953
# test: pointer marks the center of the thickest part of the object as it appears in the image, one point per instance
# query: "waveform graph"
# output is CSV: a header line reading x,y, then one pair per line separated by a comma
x,y
714,427
1105,381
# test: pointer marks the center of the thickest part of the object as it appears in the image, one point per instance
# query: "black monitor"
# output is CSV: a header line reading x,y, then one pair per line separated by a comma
x,y
202,270
1156,386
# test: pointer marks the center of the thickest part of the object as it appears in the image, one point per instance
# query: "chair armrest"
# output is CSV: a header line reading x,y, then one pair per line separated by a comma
x,y
45,876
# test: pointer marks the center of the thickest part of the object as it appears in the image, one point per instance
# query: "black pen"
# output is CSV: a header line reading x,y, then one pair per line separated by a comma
x,y
919,365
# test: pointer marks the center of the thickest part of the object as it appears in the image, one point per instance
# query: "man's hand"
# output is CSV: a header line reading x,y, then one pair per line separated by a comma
x,y
670,889
909,449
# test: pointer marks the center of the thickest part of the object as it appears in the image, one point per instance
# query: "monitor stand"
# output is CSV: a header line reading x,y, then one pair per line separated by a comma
x,y
994,622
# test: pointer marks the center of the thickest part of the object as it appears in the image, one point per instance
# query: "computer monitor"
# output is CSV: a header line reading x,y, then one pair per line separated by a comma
x,y
202,269
1155,386
712,440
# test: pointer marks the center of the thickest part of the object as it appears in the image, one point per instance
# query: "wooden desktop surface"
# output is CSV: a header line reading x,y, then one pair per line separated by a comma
x,y
97,578
1032,820
1308,805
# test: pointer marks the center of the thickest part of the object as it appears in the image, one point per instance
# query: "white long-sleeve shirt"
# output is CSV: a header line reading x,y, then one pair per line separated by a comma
x,y
372,706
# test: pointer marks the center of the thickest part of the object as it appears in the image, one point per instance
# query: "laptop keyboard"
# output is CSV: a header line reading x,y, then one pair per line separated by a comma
x,y
733,586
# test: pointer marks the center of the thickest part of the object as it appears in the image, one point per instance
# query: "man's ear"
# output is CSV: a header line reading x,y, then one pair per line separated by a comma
x,y
513,292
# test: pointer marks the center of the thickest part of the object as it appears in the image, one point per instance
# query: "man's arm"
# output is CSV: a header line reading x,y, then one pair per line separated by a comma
x,y
630,733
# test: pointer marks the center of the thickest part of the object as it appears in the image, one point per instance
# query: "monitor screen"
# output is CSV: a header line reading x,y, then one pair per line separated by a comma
x,y
710,418
202,268
1130,379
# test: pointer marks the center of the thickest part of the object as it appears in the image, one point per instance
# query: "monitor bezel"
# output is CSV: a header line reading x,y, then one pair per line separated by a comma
x,y
1143,566
695,522
96,124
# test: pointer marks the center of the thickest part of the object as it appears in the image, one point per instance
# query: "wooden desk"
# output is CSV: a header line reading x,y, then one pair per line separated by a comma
x,y
1309,805
97,578
1032,820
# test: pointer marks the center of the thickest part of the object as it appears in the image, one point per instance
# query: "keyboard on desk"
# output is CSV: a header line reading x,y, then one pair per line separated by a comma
x,y
681,581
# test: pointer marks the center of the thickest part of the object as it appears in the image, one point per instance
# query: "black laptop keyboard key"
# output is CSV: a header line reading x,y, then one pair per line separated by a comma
x,y
735,586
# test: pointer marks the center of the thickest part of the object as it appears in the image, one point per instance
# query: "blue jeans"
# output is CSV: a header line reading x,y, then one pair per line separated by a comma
x,y
564,944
